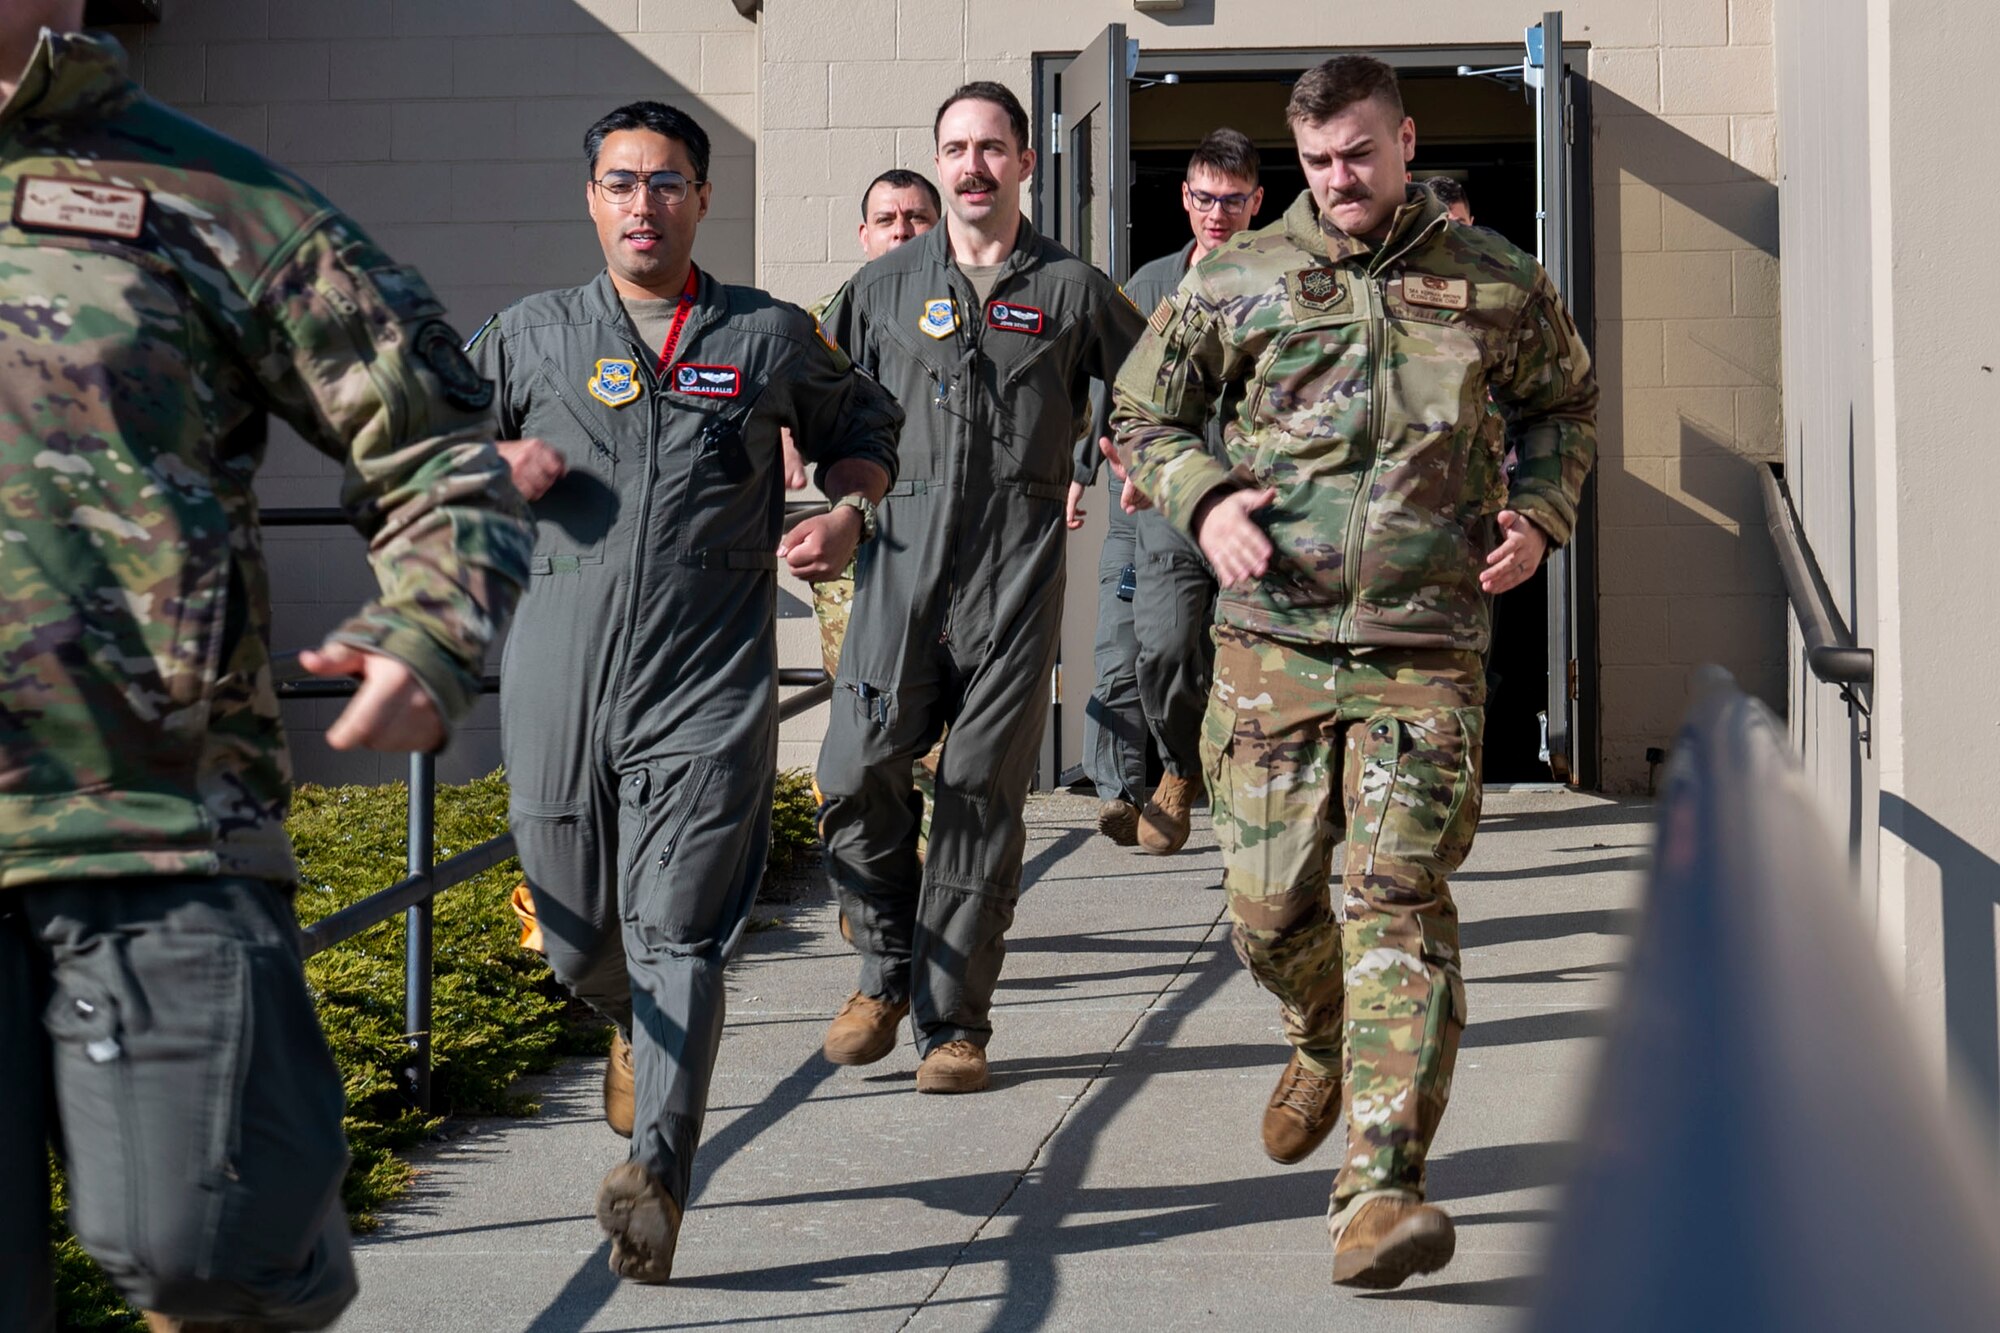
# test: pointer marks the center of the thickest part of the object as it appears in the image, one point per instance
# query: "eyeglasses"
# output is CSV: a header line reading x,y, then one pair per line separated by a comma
x,y
665,187
1204,202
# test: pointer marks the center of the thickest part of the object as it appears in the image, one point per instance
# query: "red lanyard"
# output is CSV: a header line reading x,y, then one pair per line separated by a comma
x,y
681,312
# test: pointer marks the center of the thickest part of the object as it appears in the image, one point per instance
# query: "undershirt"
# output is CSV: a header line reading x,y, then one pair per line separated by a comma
x,y
982,277
652,319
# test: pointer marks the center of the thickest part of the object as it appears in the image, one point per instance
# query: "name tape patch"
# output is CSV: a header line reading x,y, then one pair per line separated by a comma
x,y
615,383
86,207
1441,293
1014,318
940,317
708,381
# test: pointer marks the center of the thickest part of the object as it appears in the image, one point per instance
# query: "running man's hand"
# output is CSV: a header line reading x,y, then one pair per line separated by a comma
x,y
1236,546
819,548
1073,510
795,466
1515,560
391,711
533,464
1131,499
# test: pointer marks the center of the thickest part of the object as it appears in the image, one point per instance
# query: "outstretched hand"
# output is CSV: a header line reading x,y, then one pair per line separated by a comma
x,y
391,711
1236,545
1515,560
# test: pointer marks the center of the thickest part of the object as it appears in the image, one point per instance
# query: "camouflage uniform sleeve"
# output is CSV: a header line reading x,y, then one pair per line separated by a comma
x,y
1162,402
1548,394
358,358
839,412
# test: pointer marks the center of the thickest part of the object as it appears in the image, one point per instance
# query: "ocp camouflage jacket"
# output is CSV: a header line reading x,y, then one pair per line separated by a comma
x,y
1361,383
162,289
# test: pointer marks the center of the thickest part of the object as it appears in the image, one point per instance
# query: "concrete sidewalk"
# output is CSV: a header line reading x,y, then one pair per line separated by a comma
x,y
1112,1177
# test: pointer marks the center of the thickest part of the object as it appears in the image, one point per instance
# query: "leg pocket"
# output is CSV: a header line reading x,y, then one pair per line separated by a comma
x,y
695,835
575,892
1418,795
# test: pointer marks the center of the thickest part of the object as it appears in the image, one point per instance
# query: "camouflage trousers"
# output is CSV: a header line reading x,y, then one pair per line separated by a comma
x,y
832,600
1305,746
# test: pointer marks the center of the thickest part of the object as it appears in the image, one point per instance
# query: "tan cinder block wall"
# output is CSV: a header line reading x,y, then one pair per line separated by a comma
x,y
453,131
1685,221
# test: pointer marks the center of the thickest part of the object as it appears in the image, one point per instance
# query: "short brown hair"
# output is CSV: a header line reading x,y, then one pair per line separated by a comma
x,y
1228,153
1326,90
985,90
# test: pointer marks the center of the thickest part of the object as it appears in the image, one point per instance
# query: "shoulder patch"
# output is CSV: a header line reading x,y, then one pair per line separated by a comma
x,y
464,387
1163,315
405,292
615,382
43,203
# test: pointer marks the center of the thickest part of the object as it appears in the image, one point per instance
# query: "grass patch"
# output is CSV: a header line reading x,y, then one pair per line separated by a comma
x,y
496,1011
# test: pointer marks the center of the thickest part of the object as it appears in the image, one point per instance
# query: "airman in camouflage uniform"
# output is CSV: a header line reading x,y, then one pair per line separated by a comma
x,y
1360,522
161,290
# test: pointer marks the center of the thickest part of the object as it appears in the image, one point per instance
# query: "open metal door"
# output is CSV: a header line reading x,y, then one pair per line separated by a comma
x,y
1088,164
1570,747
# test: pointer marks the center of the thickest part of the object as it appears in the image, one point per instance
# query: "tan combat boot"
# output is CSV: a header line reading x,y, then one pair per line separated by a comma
x,y
1301,1112
1119,821
1384,1236
864,1030
643,1221
618,1086
956,1066
1163,826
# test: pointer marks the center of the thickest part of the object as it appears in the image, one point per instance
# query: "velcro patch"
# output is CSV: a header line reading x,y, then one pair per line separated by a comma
x,y
940,317
1012,318
87,207
1319,288
1163,315
708,381
464,387
615,382
1440,293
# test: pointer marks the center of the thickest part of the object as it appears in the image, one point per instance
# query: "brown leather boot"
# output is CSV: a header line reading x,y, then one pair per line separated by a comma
x,y
618,1086
1301,1112
166,1323
643,1221
1163,825
864,1030
956,1066
1382,1237
523,904
1119,821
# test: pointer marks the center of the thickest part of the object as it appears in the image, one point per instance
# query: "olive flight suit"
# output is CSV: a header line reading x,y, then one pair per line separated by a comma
x,y
638,691
957,605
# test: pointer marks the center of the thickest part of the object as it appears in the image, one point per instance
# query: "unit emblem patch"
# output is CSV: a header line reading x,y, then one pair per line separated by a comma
x,y
464,387
708,381
615,382
940,317
1319,288
1014,318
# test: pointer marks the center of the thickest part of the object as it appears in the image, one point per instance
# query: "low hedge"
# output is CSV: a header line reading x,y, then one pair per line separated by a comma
x,y
497,1013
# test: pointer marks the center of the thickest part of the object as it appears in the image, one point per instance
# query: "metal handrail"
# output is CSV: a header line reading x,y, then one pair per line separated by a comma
x,y
1764,1149
1831,652
413,894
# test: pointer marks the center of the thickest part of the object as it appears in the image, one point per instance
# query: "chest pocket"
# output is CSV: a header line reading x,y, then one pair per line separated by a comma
x,y
1035,389
726,454
1310,412
573,520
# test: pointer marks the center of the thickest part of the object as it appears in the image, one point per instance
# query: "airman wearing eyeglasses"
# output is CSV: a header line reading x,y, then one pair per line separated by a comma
x,y
638,698
1153,653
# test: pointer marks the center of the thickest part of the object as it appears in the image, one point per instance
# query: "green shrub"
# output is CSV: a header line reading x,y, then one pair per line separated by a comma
x,y
496,1011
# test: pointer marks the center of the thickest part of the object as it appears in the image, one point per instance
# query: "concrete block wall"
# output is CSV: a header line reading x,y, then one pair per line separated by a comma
x,y
1685,245
452,130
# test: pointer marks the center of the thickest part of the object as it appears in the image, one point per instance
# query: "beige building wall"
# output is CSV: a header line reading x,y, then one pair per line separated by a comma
x,y
453,131
1887,125
1685,220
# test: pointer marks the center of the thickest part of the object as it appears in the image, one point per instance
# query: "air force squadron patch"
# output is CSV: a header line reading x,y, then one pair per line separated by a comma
x,y
708,381
615,382
940,317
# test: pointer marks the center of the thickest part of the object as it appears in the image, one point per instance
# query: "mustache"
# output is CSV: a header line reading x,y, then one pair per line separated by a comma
x,y
971,184
1358,195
